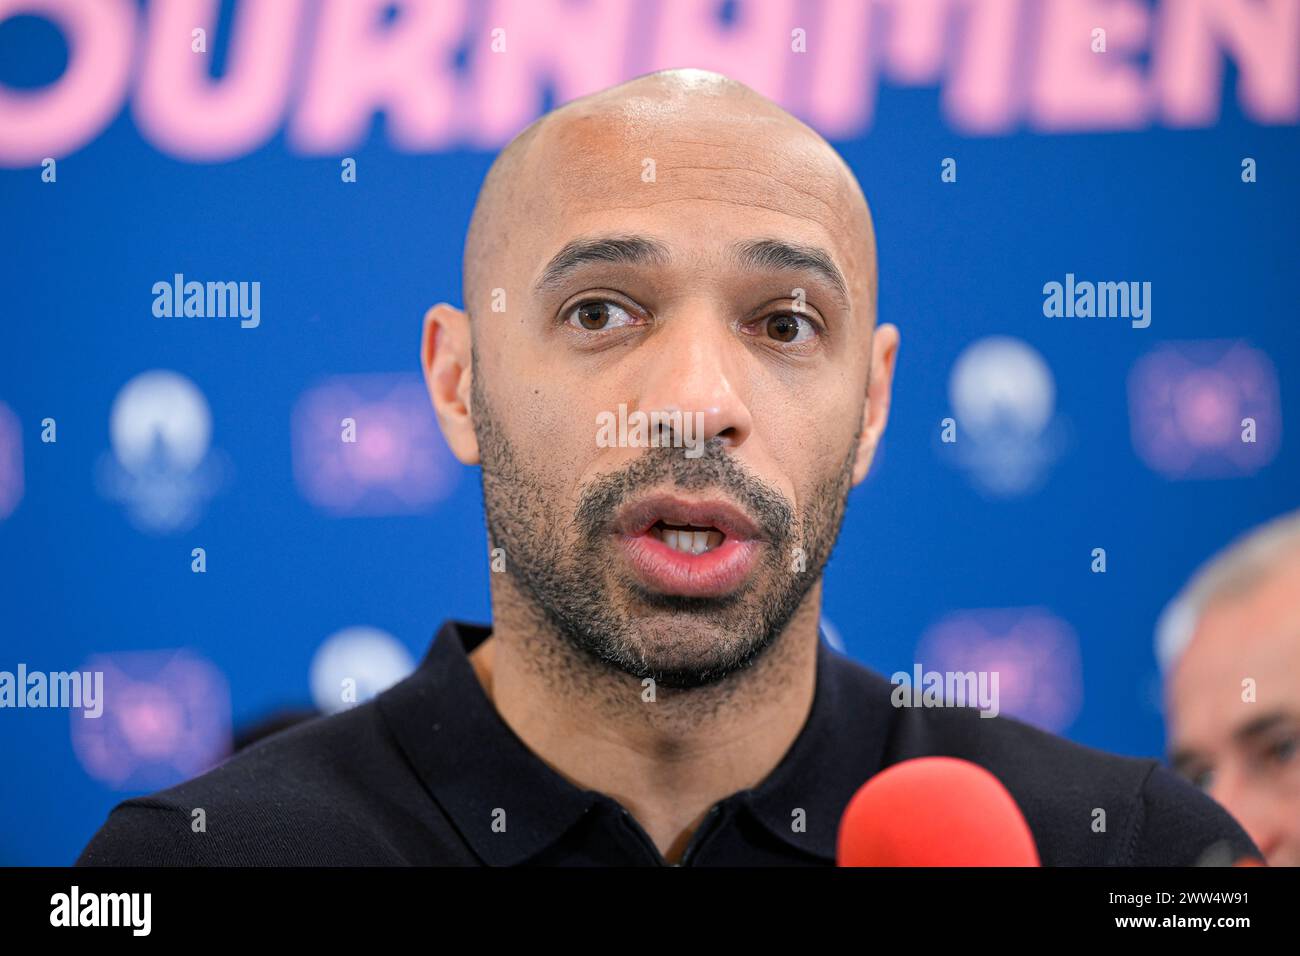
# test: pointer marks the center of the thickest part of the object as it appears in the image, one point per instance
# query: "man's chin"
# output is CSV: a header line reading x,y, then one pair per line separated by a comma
x,y
680,669
645,600
686,642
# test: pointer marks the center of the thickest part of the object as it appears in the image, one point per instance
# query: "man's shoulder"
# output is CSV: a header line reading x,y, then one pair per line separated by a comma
x,y
1085,806
302,796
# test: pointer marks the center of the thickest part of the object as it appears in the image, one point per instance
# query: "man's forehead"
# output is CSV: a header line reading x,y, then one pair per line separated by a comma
x,y
589,161
1245,636
1266,610
699,183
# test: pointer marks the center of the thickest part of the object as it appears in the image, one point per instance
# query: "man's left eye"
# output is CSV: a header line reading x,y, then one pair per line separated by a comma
x,y
788,328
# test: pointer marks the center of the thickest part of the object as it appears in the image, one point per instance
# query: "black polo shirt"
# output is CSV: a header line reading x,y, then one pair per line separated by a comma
x,y
428,773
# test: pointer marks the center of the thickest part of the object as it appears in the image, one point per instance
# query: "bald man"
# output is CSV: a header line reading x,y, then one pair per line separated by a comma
x,y
681,256
1229,647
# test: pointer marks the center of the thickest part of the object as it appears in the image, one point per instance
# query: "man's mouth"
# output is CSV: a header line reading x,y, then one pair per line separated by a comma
x,y
690,548
687,539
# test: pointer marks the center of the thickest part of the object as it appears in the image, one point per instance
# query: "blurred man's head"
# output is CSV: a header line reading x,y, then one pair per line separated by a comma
x,y
1230,649
674,244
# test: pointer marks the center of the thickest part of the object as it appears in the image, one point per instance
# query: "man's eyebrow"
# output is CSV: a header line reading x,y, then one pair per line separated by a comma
x,y
1260,726
628,250
1242,735
779,254
771,254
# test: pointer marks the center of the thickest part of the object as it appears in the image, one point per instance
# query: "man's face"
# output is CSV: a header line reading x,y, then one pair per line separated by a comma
x,y
651,265
1246,752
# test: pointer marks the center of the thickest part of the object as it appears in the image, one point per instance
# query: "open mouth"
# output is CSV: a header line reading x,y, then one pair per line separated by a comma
x,y
687,538
692,548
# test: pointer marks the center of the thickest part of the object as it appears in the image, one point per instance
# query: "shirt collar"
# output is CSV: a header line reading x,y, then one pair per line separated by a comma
x,y
842,743
473,764
470,760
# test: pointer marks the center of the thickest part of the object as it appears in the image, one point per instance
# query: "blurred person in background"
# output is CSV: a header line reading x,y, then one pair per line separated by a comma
x,y
1229,649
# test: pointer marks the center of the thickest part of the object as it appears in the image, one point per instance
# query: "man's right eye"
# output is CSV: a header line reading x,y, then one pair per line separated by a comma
x,y
598,316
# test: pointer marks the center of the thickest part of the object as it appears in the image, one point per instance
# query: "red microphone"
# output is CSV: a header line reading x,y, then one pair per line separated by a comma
x,y
934,811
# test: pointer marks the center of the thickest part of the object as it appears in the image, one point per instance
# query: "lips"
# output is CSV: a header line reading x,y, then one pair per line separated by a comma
x,y
687,548
641,515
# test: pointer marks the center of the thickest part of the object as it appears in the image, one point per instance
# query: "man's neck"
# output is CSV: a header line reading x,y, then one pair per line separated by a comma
x,y
667,760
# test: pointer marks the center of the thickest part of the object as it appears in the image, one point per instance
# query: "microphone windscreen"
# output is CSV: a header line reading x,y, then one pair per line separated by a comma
x,y
934,811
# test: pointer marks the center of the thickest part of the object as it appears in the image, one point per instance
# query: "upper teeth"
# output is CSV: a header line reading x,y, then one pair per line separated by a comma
x,y
691,542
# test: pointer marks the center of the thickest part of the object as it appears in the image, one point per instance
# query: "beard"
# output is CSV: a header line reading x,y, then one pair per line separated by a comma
x,y
565,564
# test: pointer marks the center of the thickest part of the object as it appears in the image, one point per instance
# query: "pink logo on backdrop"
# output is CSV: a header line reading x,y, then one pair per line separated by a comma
x,y
11,461
1034,652
1208,409
320,71
370,445
166,718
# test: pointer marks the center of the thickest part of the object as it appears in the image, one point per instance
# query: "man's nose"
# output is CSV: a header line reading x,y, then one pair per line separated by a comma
x,y
696,367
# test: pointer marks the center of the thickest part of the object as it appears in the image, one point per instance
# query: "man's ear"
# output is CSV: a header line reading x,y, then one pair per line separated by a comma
x,y
884,349
445,355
